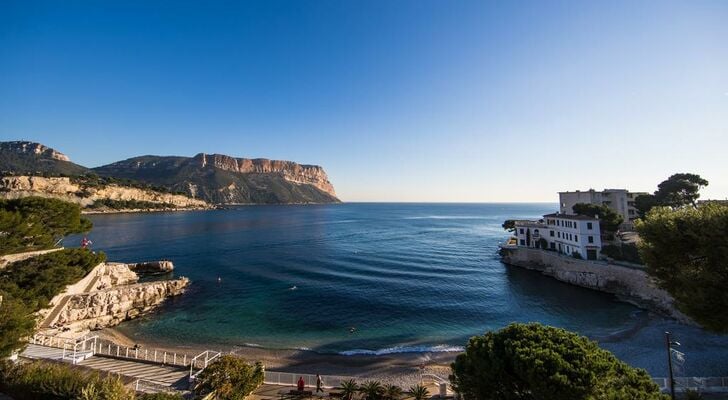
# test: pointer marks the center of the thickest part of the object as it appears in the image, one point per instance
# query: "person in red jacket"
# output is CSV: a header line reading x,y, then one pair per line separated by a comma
x,y
301,384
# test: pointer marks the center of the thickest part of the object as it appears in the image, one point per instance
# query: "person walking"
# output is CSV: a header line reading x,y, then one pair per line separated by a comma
x,y
319,384
301,384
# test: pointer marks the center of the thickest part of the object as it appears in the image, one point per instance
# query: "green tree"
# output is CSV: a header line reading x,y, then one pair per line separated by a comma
x,y
609,220
537,362
16,323
644,203
348,389
392,392
680,190
33,223
372,390
686,250
230,378
419,392
509,225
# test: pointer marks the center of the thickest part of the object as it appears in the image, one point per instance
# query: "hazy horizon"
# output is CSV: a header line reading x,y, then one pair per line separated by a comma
x,y
413,101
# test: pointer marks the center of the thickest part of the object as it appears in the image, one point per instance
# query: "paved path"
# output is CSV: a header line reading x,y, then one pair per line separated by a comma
x,y
165,375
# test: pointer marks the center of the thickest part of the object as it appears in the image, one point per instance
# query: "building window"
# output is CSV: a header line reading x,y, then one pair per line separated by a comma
x,y
553,246
591,239
576,238
589,225
523,242
558,234
521,230
551,233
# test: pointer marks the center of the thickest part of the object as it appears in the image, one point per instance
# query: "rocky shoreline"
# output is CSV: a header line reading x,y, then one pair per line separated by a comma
x,y
631,285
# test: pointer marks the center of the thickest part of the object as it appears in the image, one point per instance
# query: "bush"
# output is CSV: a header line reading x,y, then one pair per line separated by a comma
x,y
129,205
625,252
537,362
577,255
161,396
230,378
686,250
40,381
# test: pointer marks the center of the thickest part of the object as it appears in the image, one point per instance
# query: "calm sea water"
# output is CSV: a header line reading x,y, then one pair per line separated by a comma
x,y
407,277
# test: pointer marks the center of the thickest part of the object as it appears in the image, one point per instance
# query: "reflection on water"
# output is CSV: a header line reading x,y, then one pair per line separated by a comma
x,y
408,277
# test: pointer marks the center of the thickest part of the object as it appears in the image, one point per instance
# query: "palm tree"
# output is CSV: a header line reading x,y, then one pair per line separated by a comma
x,y
419,392
392,392
348,388
372,390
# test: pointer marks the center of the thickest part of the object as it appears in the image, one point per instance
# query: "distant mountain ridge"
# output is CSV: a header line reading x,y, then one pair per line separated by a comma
x,y
214,178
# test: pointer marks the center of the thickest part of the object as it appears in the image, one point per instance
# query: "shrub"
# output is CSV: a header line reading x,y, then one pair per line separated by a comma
x,y
40,381
230,378
686,250
537,362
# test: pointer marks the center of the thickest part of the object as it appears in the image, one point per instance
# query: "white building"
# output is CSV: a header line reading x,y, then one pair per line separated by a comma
x,y
620,201
564,233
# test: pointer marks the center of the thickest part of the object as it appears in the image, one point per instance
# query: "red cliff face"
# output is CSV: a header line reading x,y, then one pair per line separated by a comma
x,y
291,171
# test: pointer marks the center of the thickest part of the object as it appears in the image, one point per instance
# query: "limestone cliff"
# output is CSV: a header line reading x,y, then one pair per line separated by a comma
x,y
34,149
77,192
222,179
111,306
291,171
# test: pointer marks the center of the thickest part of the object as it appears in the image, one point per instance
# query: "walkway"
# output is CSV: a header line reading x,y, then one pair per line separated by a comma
x,y
164,375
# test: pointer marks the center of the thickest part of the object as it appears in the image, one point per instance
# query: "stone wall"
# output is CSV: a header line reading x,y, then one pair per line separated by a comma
x,y
631,285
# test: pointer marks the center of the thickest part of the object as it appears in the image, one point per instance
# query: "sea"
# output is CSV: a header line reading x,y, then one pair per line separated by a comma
x,y
372,278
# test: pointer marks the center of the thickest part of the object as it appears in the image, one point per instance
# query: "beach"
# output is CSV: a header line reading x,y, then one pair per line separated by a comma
x,y
403,369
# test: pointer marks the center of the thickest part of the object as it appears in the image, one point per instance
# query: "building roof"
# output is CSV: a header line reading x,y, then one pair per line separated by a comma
x,y
570,216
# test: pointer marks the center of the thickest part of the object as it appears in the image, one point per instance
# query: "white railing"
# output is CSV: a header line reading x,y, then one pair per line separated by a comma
x,y
80,349
49,341
701,384
291,379
198,360
108,348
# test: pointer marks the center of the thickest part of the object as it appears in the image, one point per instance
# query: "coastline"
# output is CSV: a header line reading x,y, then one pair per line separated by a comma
x,y
403,369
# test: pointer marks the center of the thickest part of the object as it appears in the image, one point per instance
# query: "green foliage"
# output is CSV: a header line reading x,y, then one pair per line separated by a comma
x,y
686,250
543,244
509,225
27,286
644,203
348,389
692,395
392,392
537,362
623,252
372,390
34,223
129,205
40,381
230,378
609,220
577,255
419,392
680,190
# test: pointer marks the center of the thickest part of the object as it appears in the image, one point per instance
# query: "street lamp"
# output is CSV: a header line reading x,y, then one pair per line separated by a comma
x,y
669,345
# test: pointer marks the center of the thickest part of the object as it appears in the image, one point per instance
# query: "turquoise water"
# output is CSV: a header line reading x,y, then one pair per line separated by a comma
x,y
407,277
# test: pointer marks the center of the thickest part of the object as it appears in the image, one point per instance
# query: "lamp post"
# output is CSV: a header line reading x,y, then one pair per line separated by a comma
x,y
669,344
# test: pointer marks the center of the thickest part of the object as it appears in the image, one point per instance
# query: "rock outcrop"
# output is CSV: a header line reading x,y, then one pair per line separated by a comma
x,y
34,149
291,171
628,284
111,306
64,188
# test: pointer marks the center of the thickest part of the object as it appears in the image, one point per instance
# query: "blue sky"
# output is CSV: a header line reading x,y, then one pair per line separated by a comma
x,y
398,100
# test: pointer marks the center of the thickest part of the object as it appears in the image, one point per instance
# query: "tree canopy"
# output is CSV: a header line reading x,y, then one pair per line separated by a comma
x,y
34,223
686,250
679,190
230,378
27,286
538,362
609,220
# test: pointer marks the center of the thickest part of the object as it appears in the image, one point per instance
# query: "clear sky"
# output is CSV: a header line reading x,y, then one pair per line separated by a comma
x,y
397,100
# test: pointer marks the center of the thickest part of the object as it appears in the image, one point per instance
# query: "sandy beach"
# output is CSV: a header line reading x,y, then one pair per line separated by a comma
x,y
403,369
